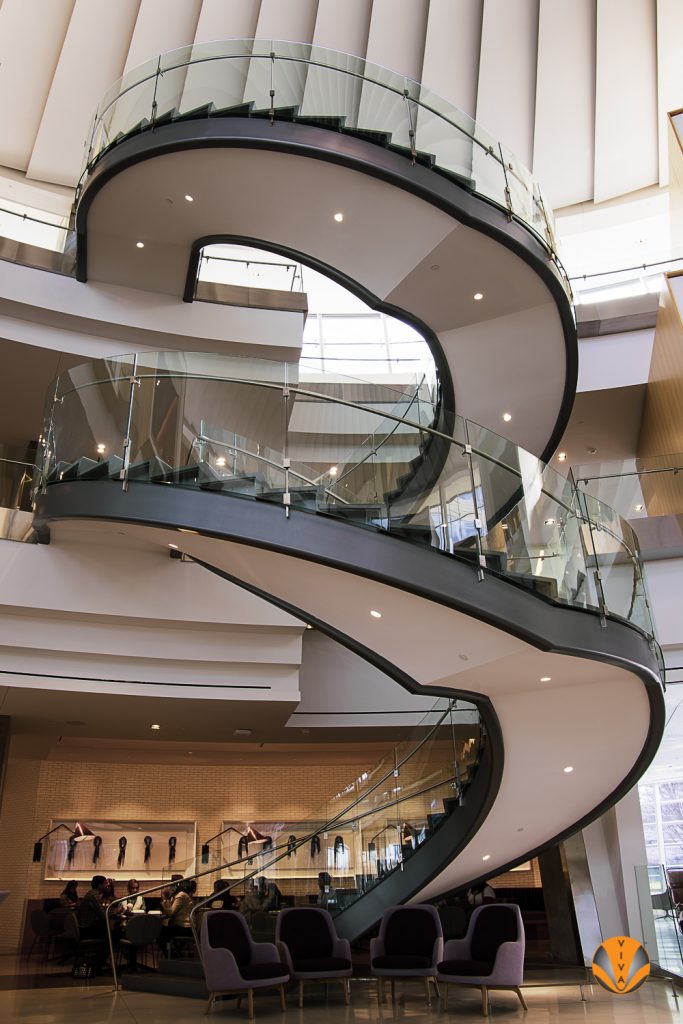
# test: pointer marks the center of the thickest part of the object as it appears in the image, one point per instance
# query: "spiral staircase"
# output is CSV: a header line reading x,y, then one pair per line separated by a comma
x,y
467,568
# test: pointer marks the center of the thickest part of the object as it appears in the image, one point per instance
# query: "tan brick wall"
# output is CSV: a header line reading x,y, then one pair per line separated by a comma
x,y
38,791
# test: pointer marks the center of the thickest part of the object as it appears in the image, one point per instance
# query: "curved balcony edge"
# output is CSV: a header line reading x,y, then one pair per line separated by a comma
x,y
386,559
467,207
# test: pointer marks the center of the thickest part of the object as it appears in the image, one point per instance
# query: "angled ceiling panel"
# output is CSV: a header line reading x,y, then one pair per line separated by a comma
x,y
221,20
451,57
506,95
92,58
626,144
28,59
343,26
669,74
162,25
565,101
397,35
294,20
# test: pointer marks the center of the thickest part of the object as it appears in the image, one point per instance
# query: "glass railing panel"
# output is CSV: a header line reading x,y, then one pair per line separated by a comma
x,y
613,552
659,917
16,481
211,77
113,372
88,426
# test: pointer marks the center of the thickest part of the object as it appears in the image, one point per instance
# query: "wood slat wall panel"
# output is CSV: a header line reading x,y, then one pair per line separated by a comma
x,y
626,144
662,425
507,74
94,52
669,74
27,63
565,101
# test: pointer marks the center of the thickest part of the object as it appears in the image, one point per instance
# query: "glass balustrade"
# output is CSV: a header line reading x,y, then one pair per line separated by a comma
x,y
16,483
357,450
363,833
277,79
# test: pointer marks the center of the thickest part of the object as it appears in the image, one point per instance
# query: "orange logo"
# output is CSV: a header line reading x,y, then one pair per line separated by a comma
x,y
621,964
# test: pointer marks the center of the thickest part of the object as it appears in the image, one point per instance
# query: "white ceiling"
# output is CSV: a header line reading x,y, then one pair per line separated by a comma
x,y
545,726
579,90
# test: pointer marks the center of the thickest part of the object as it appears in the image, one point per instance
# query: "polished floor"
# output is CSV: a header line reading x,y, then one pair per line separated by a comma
x,y
90,1003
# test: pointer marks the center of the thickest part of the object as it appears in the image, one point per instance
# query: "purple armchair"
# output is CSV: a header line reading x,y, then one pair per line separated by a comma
x,y
409,945
490,956
233,963
307,943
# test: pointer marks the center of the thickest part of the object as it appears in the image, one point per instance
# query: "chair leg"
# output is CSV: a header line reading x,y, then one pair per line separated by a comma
x,y
283,1004
209,1005
521,997
301,995
250,1003
346,985
239,1002
428,991
393,992
445,996
484,1001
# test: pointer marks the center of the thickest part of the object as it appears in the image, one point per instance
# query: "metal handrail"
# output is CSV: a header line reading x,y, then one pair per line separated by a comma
x,y
324,827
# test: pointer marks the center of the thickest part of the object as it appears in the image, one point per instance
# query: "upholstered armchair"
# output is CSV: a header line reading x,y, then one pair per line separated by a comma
x,y
233,963
490,956
409,945
307,943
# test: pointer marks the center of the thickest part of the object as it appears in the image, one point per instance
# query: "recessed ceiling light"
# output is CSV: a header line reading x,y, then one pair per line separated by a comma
x,y
190,199
339,217
309,626
546,679
507,417
100,449
220,461
156,727
478,296
375,614
637,508
549,522
140,245
592,451
334,470
435,266
174,546
568,769
242,732
487,856
562,456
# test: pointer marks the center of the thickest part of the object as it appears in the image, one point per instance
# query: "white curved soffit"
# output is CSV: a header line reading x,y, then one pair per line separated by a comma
x,y
498,348
546,727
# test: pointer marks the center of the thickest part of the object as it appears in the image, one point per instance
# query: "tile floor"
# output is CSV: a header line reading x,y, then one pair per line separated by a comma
x,y
95,1003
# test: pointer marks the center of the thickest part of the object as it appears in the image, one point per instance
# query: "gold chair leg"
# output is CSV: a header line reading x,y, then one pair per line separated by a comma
x,y
209,1005
428,991
521,997
484,1001
445,996
301,995
346,985
283,1004
250,1003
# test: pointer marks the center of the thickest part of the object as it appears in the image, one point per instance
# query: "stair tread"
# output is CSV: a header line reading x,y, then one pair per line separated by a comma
x,y
279,113
370,134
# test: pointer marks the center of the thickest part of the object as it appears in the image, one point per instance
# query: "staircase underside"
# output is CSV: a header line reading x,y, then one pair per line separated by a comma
x,y
441,632
413,243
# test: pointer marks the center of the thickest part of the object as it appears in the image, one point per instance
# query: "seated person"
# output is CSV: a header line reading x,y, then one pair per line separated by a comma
x,y
68,898
91,919
252,903
134,904
480,894
223,900
176,909
271,897
326,895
